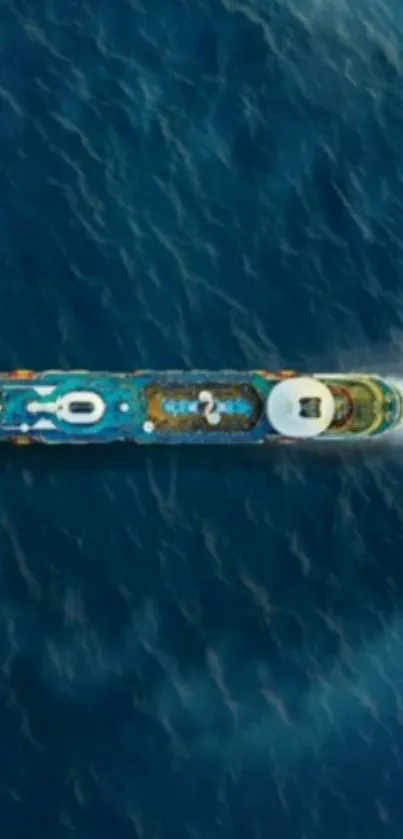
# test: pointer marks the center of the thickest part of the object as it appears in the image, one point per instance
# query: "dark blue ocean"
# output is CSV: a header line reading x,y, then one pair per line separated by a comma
x,y
201,644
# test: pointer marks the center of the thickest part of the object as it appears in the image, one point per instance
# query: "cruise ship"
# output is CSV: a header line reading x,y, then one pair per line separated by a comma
x,y
196,407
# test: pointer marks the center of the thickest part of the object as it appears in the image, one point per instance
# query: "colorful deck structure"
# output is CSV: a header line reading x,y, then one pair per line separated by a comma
x,y
195,407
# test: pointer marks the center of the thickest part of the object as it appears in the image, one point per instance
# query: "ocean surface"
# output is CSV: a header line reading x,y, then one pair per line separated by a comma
x,y
201,644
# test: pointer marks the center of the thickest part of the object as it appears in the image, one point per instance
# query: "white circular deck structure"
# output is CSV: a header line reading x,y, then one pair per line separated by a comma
x,y
300,407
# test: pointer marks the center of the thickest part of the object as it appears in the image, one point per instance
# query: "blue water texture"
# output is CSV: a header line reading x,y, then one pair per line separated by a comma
x,y
201,644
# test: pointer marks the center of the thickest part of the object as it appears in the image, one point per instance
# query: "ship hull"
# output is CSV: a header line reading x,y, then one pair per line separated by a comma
x,y
195,407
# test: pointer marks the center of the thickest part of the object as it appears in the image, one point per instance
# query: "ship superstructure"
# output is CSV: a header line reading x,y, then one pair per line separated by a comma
x,y
195,407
